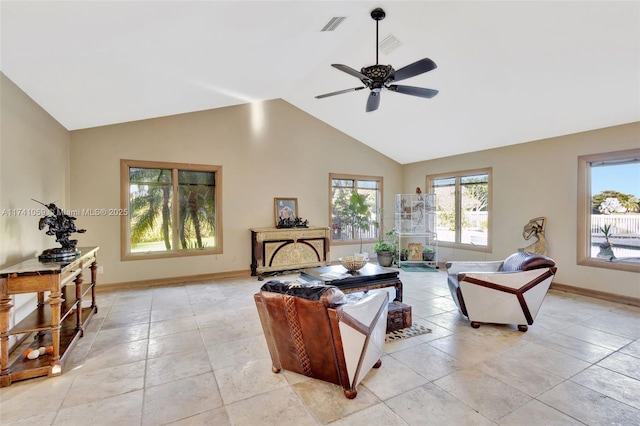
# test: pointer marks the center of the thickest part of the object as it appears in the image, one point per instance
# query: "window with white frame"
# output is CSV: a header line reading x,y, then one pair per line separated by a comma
x,y
463,214
608,210
174,209
343,227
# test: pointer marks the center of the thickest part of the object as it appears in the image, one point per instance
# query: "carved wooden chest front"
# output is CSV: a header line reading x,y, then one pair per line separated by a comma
x,y
283,249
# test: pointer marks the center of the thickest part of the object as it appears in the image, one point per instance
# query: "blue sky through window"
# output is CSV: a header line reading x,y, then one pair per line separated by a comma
x,y
623,178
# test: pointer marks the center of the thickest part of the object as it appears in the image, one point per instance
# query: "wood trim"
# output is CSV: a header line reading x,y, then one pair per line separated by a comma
x,y
379,179
584,211
125,255
457,174
124,204
127,285
603,263
611,297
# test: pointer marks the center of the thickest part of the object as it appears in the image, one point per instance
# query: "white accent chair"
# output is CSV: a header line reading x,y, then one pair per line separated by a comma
x,y
312,330
501,292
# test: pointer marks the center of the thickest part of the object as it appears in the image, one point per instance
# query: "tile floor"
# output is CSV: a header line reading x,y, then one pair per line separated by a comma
x,y
194,354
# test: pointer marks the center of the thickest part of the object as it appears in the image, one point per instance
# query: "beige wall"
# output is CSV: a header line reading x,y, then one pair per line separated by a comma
x,y
267,150
34,163
539,179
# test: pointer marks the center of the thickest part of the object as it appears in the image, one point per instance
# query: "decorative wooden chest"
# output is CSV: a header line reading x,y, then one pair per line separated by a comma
x,y
399,316
274,249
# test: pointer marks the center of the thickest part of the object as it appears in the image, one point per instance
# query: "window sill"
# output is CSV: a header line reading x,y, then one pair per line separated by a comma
x,y
168,254
630,265
470,247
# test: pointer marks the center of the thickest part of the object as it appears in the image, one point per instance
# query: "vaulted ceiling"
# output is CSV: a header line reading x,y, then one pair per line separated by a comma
x,y
508,71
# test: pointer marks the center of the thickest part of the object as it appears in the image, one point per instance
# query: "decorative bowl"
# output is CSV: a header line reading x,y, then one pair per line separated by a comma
x,y
353,263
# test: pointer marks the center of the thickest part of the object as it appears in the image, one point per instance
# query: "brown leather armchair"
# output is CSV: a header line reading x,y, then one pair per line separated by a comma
x,y
312,330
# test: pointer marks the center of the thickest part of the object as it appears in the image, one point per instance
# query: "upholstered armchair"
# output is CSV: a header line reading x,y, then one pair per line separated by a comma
x,y
501,292
312,330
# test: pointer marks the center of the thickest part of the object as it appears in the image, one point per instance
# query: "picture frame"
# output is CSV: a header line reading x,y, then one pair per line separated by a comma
x,y
284,208
415,251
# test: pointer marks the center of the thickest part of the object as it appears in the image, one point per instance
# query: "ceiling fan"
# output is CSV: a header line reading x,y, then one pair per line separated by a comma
x,y
378,77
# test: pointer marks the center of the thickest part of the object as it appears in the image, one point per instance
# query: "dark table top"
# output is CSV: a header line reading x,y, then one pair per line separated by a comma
x,y
338,274
33,265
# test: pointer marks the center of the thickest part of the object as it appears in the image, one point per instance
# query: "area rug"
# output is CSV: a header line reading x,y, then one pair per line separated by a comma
x,y
417,267
405,333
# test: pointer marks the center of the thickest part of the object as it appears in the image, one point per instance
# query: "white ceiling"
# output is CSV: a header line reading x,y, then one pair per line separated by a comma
x,y
508,71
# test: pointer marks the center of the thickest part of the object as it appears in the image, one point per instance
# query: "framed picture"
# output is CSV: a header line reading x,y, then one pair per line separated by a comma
x,y
415,251
285,208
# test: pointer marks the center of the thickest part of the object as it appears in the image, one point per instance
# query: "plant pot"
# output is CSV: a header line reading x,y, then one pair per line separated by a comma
x,y
606,251
385,258
428,256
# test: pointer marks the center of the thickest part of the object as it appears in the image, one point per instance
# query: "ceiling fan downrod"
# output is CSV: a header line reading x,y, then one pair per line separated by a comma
x,y
378,15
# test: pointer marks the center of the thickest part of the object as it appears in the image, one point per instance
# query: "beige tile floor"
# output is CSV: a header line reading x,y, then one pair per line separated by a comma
x,y
194,354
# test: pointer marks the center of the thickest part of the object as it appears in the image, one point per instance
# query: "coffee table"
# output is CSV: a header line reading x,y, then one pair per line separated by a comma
x,y
369,277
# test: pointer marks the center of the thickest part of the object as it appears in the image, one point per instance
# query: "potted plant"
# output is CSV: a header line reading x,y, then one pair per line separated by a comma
x,y
385,249
404,254
428,253
606,248
359,214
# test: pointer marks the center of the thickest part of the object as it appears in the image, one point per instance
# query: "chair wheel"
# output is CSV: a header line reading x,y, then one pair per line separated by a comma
x,y
523,328
475,324
275,369
377,364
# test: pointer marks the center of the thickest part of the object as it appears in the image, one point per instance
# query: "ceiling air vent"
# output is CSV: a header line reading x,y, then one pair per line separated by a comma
x,y
389,44
333,23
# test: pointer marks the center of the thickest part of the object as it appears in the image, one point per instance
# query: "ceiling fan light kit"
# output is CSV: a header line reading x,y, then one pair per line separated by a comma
x,y
378,77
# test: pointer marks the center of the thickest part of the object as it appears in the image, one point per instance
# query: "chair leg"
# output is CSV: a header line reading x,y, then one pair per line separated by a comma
x,y
377,364
475,324
350,393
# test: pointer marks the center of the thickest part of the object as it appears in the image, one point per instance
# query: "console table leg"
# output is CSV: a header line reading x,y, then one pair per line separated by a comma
x,y
94,280
5,308
78,282
55,300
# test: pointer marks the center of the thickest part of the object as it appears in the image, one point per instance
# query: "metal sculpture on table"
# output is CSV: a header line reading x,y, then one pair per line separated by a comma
x,y
295,222
535,228
62,226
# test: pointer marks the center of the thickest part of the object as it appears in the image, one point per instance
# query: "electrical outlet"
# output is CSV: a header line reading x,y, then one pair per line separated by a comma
x,y
100,269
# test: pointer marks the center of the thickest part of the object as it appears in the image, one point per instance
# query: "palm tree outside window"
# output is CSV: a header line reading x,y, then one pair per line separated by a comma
x,y
174,209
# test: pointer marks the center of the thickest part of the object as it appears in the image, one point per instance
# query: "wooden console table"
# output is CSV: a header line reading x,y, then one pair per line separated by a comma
x,y
281,249
58,322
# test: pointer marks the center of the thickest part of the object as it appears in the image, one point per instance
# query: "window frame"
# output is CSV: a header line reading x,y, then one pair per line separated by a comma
x,y
125,231
356,178
458,175
584,210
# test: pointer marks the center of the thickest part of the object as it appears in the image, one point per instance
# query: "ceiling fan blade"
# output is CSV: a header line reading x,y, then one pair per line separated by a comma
x,y
373,101
414,91
352,72
339,92
411,70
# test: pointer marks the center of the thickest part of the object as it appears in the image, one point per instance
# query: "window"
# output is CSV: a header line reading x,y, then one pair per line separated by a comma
x,y
343,228
174,209
463,214
608,204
